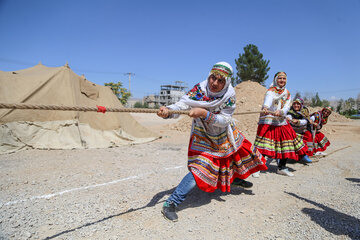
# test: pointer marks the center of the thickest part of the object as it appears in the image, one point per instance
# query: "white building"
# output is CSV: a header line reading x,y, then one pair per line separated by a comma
x,y
169,94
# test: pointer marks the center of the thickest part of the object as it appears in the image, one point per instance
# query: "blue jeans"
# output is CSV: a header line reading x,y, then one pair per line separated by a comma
x,y
186,185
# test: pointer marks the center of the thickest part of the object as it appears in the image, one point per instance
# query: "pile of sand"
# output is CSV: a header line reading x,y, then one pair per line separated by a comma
x,y
250,97
334,117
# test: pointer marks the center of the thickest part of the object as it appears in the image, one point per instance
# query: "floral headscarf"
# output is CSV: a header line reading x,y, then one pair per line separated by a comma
x,y
201,96
281,93
319,116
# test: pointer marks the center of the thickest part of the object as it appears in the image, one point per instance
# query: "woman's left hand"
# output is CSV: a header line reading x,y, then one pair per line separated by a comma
x,y
198,112
277,113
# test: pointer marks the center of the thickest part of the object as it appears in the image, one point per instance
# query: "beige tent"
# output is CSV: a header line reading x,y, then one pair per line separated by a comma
x,y
47,129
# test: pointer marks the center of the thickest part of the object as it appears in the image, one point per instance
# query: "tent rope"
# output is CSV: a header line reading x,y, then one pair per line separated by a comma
x,y
94,109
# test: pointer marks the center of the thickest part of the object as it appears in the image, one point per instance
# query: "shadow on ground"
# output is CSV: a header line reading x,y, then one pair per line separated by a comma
x,y
355,180
199,198
155,200
331,220
195,199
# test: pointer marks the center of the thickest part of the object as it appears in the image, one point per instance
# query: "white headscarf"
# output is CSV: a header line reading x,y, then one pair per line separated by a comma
x,y
218,98
274,84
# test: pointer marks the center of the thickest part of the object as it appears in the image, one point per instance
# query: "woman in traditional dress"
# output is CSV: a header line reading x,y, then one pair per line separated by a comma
x,y
218,155
275,137
319,119
298,117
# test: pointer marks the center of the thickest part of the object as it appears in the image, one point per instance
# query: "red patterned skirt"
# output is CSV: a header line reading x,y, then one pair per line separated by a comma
x,y
321,142
279,142
211,172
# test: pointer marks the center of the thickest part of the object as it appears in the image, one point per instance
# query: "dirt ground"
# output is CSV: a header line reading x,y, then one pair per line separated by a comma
x,y
117,193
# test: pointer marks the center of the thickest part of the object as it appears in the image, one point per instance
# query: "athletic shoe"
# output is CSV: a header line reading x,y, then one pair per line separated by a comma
x,y
169,211
242,183
285,172
256,174
306,159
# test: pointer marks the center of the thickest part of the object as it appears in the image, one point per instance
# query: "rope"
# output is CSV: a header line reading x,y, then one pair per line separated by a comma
x,y
95,109
317,157
83,109
338,150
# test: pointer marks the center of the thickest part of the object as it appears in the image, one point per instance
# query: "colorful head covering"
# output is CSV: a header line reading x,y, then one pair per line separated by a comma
x,y
319,116
300,101
328,108
280,94
201,96
274,82
224,70
297,114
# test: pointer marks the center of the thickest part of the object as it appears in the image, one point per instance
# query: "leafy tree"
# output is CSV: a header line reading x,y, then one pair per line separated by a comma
x,y
339,105
316,101
251,66
325,103
121,93
138,105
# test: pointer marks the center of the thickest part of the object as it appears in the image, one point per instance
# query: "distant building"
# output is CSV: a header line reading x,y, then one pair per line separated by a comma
x,y
169,94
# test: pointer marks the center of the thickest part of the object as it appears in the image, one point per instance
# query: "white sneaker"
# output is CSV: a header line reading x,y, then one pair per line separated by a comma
x,y
320,154
285,172
256,174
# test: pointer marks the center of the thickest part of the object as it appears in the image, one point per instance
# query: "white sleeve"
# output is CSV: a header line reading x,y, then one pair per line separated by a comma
x,y
222,119
286,107
268,99
180,105
302,122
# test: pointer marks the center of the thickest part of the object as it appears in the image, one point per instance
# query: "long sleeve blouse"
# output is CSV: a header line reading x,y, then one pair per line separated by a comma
x,y
273,101
216,134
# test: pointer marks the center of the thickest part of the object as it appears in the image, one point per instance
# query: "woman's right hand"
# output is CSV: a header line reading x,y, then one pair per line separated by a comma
x,y
163,112
265,111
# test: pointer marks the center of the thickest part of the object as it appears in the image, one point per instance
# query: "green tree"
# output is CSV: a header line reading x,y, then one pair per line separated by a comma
x,y
340,105
138,105
316,101
251,66
121,93
325,103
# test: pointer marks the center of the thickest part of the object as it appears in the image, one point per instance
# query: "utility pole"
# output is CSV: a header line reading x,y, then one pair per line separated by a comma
x,y
129,73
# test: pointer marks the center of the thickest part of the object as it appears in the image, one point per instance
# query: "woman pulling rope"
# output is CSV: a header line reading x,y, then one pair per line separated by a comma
x,y
218,153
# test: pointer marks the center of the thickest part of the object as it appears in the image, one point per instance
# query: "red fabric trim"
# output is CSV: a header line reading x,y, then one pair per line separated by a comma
x,y
101,109
279,134
244,151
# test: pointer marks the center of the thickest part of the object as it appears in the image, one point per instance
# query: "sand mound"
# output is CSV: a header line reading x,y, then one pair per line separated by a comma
x,y
334,117
250,97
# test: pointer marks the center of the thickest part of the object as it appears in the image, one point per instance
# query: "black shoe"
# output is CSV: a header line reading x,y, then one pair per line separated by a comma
x,y
168,211
242,183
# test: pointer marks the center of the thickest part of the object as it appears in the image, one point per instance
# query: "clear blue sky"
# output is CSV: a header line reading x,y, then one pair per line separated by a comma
x,y
317,42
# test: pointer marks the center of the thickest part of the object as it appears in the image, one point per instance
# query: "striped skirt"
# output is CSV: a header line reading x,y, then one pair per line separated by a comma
x,y
212,172
319,145
279,142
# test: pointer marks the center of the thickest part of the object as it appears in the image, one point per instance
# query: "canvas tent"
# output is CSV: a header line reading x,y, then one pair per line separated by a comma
x,y
48,129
